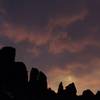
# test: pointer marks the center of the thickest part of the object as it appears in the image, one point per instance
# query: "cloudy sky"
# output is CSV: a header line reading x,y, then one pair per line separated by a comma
x,y
60,37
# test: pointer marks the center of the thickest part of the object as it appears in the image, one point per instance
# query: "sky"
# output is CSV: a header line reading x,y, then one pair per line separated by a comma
x,y
59,37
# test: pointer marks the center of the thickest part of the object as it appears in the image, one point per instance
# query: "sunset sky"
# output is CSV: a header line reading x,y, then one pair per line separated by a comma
x,y
60,37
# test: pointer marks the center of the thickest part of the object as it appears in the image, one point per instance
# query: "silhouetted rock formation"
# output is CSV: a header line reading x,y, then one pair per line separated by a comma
x,y
51,94
7,54
70,90
60,90
98,94
33,83
42,83
14,84
88,93
13,75
37,83
7,57
20,80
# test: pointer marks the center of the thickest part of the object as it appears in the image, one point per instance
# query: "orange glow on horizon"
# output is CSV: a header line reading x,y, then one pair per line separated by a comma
x,y
55,76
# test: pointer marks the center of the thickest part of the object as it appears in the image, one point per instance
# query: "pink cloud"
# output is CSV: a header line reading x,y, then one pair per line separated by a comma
x,y
20,34
59,45
93,29
65,20
1,45
34,51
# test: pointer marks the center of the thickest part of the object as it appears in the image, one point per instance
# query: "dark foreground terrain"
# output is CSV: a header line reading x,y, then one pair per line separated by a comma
x,y
14,84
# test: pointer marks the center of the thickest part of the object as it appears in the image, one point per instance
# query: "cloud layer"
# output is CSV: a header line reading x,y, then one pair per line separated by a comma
x,y
61,37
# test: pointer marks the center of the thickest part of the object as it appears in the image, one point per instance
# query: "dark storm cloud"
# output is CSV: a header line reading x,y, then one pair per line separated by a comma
x,y
27,13
37,13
